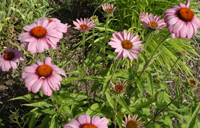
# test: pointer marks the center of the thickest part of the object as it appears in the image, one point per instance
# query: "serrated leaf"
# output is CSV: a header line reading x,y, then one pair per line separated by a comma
x,y
27,97
93,109
40,104
123,103
110,100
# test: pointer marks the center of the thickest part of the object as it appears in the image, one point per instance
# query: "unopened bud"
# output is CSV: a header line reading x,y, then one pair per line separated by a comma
x,y
192,82
95,19
182,52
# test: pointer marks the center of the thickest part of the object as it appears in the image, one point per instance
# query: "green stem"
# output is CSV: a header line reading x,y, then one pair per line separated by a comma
x,y
154,54
116,97
51,54
83,36
171,68
41,58
63,48
114,70
104,48
19,71
167,106
93,51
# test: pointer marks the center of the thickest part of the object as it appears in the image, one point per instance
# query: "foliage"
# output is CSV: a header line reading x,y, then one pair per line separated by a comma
x,y
146,88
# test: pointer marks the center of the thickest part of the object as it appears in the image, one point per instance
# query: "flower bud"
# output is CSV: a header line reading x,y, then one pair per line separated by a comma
x,y
192,82
95,19
182,52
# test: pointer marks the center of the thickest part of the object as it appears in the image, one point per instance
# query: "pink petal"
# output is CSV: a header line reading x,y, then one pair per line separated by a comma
x,y
84,119
119,55
32,47
46,89
13,64
40,45
37,85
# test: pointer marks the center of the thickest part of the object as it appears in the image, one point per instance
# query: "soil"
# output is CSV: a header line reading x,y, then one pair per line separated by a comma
x,y
11,84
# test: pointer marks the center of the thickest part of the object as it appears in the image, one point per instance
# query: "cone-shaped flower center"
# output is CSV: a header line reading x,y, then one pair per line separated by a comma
x,y
9,56
126,44
44,70
50,20
153,24
185,14
192,82
89,126
38,32
84,26
108,10
131,124
118,88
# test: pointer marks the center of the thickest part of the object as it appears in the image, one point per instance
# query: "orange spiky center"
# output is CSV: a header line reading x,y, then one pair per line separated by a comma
x,y
108,10
89,126
84,26
126,44
118,88
44,70
192,82
131,124
153,24
50,20
38,32
185,14
9,56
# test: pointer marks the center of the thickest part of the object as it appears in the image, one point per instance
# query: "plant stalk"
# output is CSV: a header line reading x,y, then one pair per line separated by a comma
x,y
51,54
167,106
41,58
104,48
83,36
116,97
154,54
171,68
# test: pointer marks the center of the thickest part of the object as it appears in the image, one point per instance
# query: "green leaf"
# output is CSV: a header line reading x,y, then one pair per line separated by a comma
x,y
119,121
95,86
150,83
160,97
193,119
54,121
123,103
27,97
49,110
34,119
178,92
46,121
168,121
70,79
40,104
110,100
93,109
154,125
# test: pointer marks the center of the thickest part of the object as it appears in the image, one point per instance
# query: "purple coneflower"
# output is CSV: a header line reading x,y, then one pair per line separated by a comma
x,y
44,76
10,59
126,44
